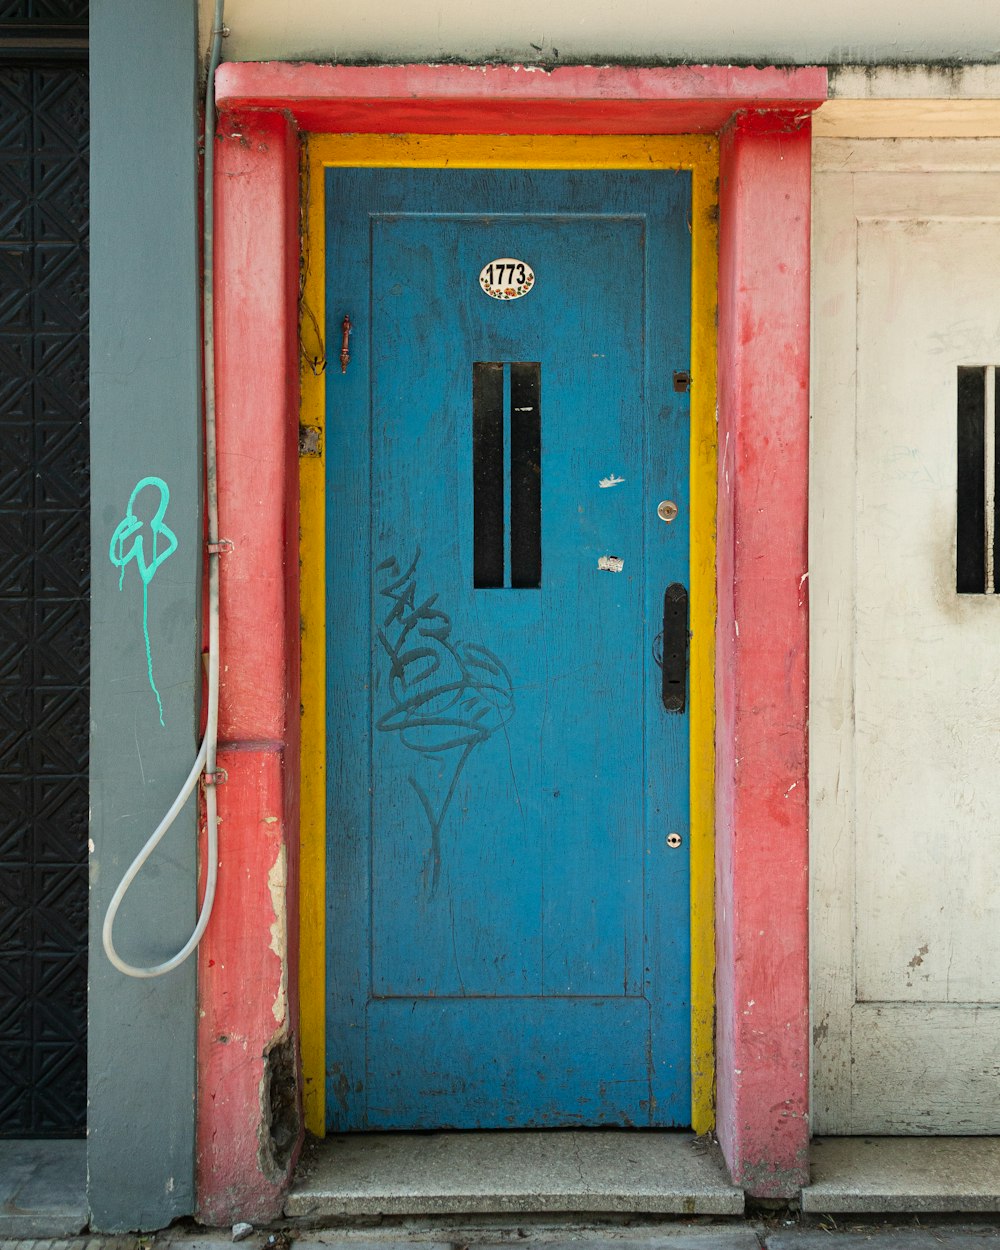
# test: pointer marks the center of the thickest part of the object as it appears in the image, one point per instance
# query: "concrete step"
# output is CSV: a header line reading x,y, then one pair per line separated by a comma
x,y
871,1175
43,1188
525,1172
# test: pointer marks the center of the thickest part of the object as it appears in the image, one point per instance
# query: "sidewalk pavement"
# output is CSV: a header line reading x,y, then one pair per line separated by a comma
x,y
786,1233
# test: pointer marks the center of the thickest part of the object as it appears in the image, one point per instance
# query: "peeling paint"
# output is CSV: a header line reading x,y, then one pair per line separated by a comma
x,y
613,480
918,958
276,884
610,564
279,1129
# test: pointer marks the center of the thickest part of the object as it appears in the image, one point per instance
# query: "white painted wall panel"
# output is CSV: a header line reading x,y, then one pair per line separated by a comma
x,y
525,30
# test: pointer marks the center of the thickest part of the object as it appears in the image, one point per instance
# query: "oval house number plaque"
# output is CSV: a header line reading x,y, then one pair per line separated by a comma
x,y
506,278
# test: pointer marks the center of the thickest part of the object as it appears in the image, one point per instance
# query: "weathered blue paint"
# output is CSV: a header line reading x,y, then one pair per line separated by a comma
x,y
145,413
509,928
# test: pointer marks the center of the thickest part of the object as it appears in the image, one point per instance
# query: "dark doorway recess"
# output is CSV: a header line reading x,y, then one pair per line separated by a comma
x,y
44,567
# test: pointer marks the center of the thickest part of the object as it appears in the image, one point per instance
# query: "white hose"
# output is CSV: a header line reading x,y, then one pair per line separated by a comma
x,y
205,763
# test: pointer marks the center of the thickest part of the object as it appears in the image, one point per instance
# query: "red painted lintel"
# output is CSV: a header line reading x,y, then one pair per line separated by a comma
x,y
513,99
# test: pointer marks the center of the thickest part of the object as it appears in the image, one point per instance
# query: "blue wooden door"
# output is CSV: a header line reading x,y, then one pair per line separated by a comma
x,y
508,910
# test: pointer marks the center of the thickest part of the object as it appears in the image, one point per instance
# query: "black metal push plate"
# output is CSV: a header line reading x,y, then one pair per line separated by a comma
x,y
675,647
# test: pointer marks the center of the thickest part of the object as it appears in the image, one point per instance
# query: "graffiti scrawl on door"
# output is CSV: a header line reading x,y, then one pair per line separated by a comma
x,y
447,696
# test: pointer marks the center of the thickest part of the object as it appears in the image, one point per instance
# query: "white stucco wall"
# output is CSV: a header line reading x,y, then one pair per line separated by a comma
x,y
772,31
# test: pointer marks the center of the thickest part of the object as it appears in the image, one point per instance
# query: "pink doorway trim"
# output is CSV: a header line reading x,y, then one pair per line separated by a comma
x,y
247,964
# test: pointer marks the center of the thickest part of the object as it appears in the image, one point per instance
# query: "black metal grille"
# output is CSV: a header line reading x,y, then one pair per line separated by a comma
x,y
45,12
44,589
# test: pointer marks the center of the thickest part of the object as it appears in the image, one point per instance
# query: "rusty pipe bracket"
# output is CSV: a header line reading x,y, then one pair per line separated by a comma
x,y
218,778
222,548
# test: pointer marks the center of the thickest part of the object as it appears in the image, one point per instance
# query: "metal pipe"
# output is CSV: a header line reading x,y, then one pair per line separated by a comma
x,y
205,762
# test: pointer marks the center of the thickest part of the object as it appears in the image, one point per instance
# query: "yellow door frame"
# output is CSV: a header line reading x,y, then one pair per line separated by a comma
x,y
700,155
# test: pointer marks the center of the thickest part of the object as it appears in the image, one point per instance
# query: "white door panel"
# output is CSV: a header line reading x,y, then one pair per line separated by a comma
x,y
905,671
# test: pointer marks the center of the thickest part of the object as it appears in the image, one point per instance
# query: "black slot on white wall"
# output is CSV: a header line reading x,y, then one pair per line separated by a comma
x,y
977,556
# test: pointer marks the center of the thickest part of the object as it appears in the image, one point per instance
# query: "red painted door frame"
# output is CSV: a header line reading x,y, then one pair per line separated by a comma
x,y
247,962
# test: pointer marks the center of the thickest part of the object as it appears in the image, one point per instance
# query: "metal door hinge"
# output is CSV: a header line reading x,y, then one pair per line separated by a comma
x,y
310,440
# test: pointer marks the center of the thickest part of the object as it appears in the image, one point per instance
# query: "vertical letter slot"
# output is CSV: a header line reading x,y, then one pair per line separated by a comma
x,y
977,554
525,476
488,537
506,475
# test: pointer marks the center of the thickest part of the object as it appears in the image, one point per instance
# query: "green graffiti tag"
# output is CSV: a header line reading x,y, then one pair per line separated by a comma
x,y
159,532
